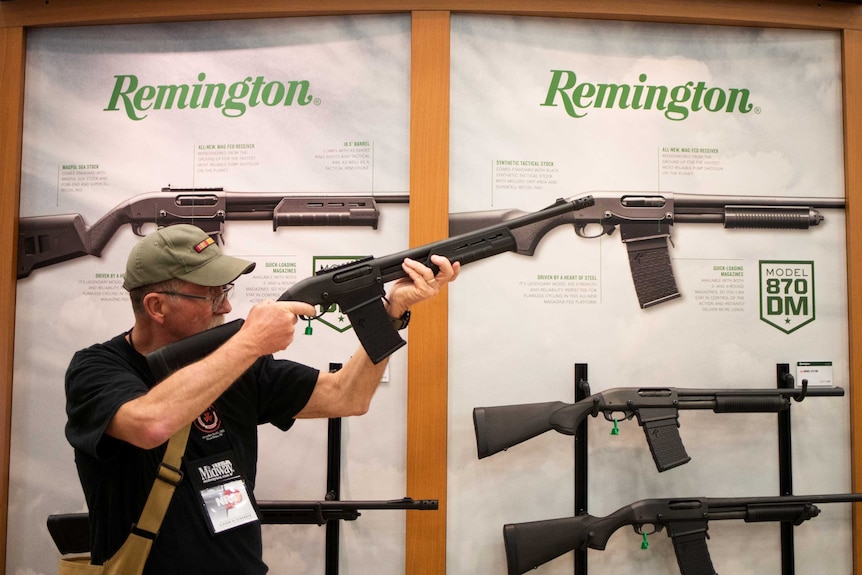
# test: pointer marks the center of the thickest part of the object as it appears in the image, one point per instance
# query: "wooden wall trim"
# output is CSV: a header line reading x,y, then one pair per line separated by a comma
x,y
11,121
428,365
787,13
852,56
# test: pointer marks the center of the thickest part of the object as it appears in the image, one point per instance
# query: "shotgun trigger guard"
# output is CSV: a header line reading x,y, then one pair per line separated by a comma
x,y
580,230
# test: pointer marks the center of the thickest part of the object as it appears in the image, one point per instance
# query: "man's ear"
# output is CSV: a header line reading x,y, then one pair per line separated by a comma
x,y
155,306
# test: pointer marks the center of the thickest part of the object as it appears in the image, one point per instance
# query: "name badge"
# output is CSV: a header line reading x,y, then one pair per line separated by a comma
x,y
222,492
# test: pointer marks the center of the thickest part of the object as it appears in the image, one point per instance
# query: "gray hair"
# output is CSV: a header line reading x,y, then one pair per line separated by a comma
x,y
137,295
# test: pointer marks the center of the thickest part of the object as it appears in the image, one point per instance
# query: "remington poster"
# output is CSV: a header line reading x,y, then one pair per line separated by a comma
x,y
639,115
249,128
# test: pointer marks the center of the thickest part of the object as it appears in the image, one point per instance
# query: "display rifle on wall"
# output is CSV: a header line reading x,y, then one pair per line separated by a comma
x,y
48,240
534,543
357,288
656,408
71,531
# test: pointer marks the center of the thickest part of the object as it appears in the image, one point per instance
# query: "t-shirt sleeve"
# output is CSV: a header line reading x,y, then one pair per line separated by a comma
x,y
284,387
97,384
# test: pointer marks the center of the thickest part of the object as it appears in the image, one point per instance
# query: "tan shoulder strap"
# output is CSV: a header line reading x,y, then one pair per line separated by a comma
x,y
169,476
132,555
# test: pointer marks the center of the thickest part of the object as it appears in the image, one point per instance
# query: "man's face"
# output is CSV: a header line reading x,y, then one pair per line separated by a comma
x,y
193,308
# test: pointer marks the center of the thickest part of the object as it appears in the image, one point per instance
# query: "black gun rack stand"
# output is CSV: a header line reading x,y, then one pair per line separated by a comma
x,y
785,467
333,488
333,492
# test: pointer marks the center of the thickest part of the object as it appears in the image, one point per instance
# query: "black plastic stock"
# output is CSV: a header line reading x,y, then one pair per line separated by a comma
x,y
166,360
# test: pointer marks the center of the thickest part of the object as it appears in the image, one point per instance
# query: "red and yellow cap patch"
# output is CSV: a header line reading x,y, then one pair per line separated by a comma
x,y
204,244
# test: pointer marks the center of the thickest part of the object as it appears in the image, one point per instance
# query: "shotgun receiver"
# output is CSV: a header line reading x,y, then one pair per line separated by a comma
x,y
47,240
656,408
534,543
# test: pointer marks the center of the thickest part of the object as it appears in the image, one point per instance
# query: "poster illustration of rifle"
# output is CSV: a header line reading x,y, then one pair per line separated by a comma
x,y
285,139
642,116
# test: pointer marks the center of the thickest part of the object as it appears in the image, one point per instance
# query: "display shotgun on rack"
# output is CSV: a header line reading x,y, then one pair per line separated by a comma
x,y
656,408
357,288
71,531
534,543
47,240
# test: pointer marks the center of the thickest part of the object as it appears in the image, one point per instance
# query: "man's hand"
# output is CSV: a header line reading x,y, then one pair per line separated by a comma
x,y
420,284
270,324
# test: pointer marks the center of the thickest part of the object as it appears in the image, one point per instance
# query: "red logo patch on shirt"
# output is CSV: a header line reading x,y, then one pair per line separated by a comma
x,y
208,421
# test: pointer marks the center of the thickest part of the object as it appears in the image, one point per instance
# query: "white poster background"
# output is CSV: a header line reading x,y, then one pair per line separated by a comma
x,y
508,346
80,158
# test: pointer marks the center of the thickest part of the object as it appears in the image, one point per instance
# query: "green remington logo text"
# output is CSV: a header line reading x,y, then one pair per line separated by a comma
x,y
676,102
232,99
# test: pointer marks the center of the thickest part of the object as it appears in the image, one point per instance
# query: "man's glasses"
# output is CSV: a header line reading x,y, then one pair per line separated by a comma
x,y
217,299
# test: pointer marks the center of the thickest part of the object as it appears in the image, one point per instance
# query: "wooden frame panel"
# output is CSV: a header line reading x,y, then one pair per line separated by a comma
x,y
785,13
11,116
852,47
427,395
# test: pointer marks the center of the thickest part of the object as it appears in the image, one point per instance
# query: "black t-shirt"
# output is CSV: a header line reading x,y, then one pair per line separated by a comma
x,y
117,476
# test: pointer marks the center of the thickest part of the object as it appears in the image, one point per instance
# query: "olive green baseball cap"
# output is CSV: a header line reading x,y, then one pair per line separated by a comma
x,y
185,252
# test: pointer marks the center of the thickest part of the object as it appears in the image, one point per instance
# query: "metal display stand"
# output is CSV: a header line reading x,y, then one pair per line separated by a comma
x,y
333,486
784,380
333,492
785,469
333,497
581,461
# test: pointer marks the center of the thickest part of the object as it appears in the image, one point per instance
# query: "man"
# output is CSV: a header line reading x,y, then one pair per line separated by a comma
x,y
119,419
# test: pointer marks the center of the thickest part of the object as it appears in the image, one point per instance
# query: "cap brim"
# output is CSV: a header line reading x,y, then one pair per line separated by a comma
x,y
219,271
